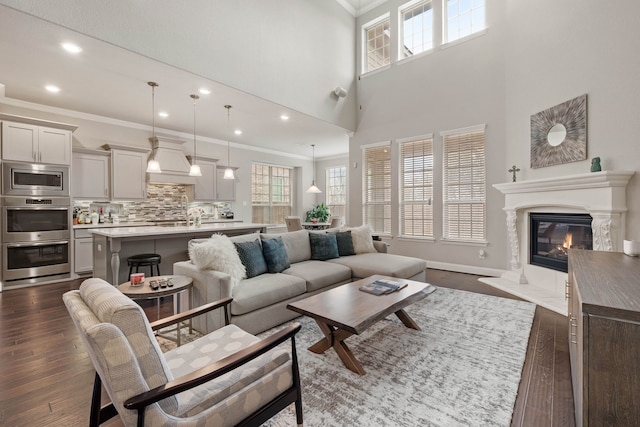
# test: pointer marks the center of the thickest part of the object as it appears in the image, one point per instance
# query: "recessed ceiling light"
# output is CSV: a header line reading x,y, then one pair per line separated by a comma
x,y
71,48
237,132
52,88
284,117
204,91
163,114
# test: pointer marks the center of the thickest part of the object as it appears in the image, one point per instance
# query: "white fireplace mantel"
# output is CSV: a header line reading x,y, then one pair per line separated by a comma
x,y
600,194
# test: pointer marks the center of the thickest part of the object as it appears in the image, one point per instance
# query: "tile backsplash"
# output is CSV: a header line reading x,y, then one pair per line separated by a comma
x,y
164,202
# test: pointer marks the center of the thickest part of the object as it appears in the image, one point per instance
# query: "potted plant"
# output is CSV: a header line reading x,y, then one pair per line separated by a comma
x,y
319,213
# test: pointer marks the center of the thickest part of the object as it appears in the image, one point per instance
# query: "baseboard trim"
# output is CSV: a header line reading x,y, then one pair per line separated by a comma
x,y
468,269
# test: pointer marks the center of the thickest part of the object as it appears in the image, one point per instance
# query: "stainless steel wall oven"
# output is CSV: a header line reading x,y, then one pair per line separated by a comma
x,y
36,238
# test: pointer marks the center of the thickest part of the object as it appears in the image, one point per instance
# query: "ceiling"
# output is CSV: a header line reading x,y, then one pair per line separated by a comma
x,y
109,81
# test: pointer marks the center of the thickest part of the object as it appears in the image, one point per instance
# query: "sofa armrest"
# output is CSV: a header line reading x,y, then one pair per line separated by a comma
x,y
208,286
380,246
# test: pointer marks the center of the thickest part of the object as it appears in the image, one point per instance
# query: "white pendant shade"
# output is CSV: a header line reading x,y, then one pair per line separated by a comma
x,y
314,189
153,166
195,170
228,174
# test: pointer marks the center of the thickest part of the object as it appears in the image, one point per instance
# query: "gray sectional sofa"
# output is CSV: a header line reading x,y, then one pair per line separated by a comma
x,y
260,302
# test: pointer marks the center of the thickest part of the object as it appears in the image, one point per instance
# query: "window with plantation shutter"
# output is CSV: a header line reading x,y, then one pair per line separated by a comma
x,y
377,187
416,187
337,190
464,184
270,193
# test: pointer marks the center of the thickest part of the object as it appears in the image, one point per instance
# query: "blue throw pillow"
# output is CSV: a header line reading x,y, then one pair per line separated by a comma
x,y
323,246
345,243
250,254
275,254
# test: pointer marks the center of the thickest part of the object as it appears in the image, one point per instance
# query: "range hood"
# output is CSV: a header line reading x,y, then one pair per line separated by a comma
x,y
173,162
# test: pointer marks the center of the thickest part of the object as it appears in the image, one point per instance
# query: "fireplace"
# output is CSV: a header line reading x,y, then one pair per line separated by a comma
x,y
553,234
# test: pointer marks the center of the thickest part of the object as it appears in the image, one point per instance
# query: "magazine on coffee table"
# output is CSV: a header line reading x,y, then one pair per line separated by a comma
x,y
383,286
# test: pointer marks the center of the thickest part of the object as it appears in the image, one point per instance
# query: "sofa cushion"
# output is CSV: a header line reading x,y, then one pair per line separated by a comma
x,y
275,255
319,274
323,246
362,240
264,290
345,243
218,253
295,242
365,265
250,254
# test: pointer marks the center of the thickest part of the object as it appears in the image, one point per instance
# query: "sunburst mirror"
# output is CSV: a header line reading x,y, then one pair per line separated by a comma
x,y
559,134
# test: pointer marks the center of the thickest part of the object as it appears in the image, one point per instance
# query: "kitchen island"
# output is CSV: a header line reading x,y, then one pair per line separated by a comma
x,y
111,245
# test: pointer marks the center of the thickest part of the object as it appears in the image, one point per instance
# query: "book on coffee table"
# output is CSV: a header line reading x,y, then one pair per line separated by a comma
x,y
382,287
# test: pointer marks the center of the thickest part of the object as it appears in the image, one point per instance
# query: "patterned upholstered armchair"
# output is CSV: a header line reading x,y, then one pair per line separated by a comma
x,y
226,378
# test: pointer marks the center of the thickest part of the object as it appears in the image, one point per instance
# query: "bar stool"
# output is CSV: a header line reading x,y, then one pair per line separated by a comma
x,y
144,260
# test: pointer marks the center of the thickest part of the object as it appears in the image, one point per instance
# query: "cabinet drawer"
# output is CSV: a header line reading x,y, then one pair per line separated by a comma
x,y
81,233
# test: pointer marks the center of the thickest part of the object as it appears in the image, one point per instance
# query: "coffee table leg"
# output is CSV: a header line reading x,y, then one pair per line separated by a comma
x,y
407,320
334,337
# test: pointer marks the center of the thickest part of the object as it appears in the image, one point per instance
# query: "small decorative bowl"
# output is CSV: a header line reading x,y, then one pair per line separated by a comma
x,y
631,247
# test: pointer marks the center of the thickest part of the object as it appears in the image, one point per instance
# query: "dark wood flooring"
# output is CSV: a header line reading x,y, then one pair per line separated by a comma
x,y
46,377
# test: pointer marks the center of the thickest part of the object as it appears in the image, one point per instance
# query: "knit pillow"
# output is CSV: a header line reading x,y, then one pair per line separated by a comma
x,y
250,254
275,254
323,246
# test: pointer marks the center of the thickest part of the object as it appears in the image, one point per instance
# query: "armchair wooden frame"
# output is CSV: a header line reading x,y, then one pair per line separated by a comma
x,y
208,373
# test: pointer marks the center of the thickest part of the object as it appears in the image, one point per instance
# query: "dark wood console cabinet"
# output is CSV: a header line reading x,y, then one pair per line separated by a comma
x,y
604,337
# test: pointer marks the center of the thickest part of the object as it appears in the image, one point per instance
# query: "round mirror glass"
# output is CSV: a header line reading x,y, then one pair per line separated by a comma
x,y
556,134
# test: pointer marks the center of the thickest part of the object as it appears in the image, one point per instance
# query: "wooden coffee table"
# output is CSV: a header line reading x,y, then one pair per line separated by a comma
x,y
344,311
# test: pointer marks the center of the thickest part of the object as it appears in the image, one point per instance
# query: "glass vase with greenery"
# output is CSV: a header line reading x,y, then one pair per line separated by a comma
x,y
319,212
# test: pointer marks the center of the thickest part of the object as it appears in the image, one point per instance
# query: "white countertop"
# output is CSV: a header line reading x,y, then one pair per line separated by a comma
x,y
154,230
112,225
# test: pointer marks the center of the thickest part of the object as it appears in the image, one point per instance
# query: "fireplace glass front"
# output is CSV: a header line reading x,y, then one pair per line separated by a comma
x,y
552,235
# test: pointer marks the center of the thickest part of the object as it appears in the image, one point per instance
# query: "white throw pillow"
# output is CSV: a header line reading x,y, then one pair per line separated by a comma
x,y
218,253
362,241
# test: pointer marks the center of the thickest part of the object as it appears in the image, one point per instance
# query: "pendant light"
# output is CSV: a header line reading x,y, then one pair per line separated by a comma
x,y
314,188
153,166
228,172
195,169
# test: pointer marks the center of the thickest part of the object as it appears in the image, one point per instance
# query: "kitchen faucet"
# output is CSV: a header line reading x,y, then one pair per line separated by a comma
x,y
184,202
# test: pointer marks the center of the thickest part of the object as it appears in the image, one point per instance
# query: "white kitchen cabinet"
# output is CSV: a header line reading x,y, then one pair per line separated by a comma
x,y
28,142
225,188
128,172
205,187
83,251
90,174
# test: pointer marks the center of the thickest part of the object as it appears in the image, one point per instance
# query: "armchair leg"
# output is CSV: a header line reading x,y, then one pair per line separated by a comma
x,y
296,382
94,417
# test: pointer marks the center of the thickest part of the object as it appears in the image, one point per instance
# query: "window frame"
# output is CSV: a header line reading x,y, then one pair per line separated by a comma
x,y
365,43
448,201
330,187
271,205
403,186
401,26
446,41
386,178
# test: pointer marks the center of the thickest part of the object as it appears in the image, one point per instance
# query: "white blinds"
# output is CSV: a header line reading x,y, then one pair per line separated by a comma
x,y
464,184
416,187
377,187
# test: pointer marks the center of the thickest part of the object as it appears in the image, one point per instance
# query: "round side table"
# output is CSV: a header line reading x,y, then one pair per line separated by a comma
x,y
180,285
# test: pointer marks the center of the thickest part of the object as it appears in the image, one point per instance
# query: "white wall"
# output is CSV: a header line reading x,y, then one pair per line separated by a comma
x,y
451,88
557,50
290,52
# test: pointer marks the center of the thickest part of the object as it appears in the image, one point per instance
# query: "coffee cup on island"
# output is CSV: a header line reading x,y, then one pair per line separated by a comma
x,y
631,247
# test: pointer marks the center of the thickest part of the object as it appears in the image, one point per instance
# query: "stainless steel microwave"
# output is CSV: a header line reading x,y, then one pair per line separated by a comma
x,y
26,179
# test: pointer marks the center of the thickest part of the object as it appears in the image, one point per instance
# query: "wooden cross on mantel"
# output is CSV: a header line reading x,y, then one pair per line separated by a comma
x,y
513,170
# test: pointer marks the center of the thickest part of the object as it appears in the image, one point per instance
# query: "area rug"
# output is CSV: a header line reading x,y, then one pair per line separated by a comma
x,y
462,369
